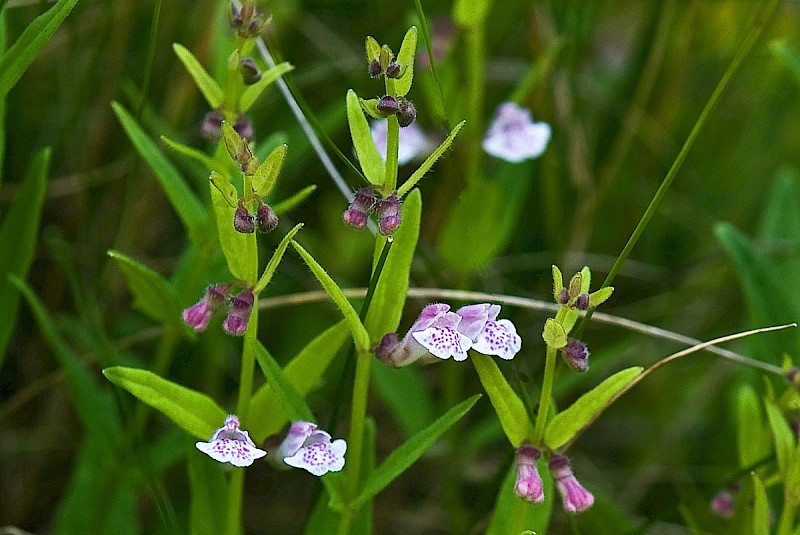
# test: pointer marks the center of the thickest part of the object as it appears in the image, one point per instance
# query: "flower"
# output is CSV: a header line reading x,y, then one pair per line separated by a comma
x,y
576,355
412,141
513,136
305,446
575,498
445,334
243,221
266,220
229,444
198,315
529,484
239,314
724,502
389,214
358,212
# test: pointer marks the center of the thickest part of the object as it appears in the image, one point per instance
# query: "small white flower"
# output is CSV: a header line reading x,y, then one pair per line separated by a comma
x,y
411,143
231,445
305,446
513,136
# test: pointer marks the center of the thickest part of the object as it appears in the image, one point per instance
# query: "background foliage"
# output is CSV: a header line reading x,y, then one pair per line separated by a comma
x,y
622,85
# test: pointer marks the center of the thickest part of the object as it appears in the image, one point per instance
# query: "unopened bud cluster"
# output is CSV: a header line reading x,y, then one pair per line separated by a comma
x,y
401,107
247,20
365,203
264,219
528,486
217,298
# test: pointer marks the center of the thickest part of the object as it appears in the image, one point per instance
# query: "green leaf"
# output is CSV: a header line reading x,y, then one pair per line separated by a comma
x,y
252,92
390,293
183,200
782,436
558,283
225,187
25,49
3,105
429,161
272,265
289,204
768,302
566,425
205,83
600,296
405,393
207,490
760,507
92,404
749,429
789,55
194,154
368,156
238,149
509,408
239,249
370,107
18,234
294,406
408,453
372,48
779,229
193,411
153,295
304,371
512,514
267,173
360,336
470,12
554,334
408,49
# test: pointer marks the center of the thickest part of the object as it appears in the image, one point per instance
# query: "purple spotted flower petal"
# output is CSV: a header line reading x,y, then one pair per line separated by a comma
x,y
443,340
498,338
306,446
229,444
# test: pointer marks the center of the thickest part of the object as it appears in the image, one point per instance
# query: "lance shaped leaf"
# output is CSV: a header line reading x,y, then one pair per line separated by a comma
x,y
566,425
272,265
267,173
509,408
239,249
205,83
368,155
429,161
405,57
252,92
193,411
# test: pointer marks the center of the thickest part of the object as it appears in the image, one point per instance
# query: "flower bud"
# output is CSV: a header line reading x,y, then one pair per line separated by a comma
x,y
374,68
582,302
244,127
358,212
563,296
575,498
529,484
249,71
389,214
393,70
266,218
407,113
724,502
212,124
388,105
198,315
243,221
576,354
239,313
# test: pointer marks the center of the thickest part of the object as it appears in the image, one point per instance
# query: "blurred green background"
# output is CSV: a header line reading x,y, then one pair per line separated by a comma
x,y
623,87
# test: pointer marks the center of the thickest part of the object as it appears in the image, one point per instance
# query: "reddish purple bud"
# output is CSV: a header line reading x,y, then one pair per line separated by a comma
x,y
242,220
563,296
358,212
249,71
582,302
374,68
239,313
212,125
198,315
574,496
576,354
388,105
724,502
389,214
529,484
266,218
244,128
393,70
407,113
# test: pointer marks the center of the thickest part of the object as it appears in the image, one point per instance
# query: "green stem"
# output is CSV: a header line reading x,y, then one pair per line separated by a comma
x,y
788,515
547,394
392,145
475,91
747,45
235,489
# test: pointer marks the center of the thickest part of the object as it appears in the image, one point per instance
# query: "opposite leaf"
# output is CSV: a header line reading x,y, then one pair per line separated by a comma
x,y
252,92
554,334
239,249
267,173
272,265
509,408
406,60
568,423
205,83
194,412
429,161
368,155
